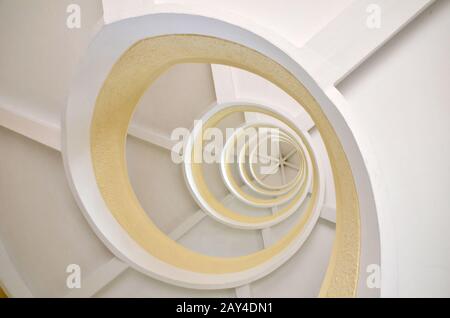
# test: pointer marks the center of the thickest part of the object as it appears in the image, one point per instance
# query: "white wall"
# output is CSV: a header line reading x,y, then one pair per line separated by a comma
x,y
39,54
41,227
297,20
400,99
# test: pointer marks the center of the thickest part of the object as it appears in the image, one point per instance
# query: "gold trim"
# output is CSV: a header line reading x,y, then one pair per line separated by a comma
x,y
138,67
218,206
3,293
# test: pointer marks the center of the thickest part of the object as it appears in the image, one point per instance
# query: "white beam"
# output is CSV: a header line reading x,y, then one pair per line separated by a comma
x,y
100,278
267,237
43,131
223,83
328,213
289,154
193,220
30,125
274,209
10,279
243,291
266,233
187,225
290,165
349,40
283,173
151,136
305,122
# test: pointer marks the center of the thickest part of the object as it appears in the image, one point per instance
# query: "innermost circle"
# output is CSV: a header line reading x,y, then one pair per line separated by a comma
x,y
271,171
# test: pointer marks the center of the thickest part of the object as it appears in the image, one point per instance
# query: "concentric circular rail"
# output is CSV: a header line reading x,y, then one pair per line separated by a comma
x,y
246,142
96,124
279,136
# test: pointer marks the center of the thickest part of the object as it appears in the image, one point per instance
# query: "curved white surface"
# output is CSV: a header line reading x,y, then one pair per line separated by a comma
x,y
105,49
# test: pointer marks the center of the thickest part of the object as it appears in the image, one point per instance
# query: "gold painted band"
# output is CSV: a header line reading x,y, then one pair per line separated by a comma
x,y
138,67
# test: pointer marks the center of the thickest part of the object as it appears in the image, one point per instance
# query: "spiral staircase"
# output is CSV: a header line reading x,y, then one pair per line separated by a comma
x,y
184,150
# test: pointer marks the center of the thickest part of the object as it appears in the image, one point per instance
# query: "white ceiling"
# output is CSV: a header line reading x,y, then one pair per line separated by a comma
x,y
40,225
43,230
